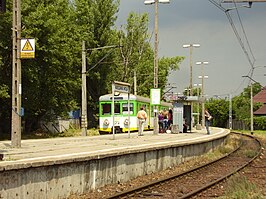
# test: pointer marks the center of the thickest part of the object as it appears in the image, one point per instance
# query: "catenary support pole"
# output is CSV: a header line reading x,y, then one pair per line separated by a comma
x,y
16,77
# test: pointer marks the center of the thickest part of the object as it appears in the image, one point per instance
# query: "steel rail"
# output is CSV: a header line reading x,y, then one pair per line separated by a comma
x,y
193,193
199,190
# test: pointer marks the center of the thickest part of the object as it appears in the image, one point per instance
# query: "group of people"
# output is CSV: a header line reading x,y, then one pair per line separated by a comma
x,y
166,120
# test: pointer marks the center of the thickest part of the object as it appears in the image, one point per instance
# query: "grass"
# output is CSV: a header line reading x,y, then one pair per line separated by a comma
x,y
239,187
258,133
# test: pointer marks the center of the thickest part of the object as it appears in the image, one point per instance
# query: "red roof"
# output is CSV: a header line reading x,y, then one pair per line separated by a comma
x,y
261,111
261,96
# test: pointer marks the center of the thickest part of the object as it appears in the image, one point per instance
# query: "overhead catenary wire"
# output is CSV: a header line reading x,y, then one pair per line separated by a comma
x,y
244,32
251,58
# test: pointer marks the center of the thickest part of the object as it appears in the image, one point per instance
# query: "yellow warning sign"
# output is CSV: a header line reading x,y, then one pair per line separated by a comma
x,y
27,50
27,46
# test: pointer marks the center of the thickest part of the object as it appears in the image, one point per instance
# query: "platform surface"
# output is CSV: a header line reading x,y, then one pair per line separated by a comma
x,y
56,149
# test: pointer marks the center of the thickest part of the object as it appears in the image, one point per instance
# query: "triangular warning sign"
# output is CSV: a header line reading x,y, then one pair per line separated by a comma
x,y
27,46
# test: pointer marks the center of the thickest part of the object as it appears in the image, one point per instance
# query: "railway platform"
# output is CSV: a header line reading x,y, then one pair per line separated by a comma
x,y
58,167
41,151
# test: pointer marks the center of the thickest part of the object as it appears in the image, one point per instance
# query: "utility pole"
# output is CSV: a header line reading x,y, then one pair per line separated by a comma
x,y
84,122
16,76
251,103
156,43
135,83
156,61
84,72
251,109
230,111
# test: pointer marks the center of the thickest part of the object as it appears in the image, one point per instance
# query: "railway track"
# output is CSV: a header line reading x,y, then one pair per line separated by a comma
x,y
198,180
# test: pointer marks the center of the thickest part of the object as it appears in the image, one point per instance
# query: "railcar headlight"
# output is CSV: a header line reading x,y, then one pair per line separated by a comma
x,y
126,122
106,122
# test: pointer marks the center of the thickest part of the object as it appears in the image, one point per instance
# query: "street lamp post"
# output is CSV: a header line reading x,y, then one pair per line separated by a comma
x,y
191,46
156,42
197,85
202,63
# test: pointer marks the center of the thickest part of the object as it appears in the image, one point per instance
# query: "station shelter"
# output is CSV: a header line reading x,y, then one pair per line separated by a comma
x,y
183,113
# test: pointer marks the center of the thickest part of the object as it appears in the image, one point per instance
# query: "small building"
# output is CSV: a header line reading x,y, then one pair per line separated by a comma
x,y
260,97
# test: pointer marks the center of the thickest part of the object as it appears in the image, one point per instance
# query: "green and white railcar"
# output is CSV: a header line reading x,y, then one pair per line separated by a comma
x,y
121,112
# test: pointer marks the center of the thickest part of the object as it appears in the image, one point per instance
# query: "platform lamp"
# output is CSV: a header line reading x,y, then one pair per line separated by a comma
x,y
156,41
191,46
197,86
202,77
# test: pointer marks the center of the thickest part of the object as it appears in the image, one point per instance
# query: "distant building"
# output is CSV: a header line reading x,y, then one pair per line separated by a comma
x,y
261,97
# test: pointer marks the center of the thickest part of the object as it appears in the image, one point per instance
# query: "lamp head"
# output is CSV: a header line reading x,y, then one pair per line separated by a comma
x,y
164,1
191,45
149,2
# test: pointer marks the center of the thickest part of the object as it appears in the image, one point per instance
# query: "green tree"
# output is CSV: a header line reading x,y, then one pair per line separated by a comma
x,y
136,55
5,68
241,103
219,109
96,21
4,92
51,80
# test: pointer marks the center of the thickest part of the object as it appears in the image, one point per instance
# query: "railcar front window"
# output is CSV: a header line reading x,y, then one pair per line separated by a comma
x,y
106,109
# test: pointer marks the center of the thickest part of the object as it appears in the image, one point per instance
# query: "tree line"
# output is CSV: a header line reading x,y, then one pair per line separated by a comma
x,y
219,108
51,82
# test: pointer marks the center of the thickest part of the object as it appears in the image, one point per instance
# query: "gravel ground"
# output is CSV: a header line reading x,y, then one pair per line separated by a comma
x,y
256,173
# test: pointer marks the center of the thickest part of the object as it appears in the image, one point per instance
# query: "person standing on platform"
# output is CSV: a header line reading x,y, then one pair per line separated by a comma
x,y
142,116
165,120
208,118
170,119
160,118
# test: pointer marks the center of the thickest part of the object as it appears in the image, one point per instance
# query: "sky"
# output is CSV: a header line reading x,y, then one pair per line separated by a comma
x,y
201,22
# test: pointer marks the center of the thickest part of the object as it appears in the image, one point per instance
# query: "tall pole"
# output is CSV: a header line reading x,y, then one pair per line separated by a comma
x,y
135,83
202,92
230,111
84,92
190,89
190,65
203,100
251,109
251,102
156,42
198,106
197,85
16,77
191,46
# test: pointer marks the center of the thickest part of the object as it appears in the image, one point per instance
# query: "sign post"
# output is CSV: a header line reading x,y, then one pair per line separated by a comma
x,y
120,87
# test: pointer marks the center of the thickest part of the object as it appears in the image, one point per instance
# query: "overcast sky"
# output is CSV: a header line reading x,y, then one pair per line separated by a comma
x,y
199,21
